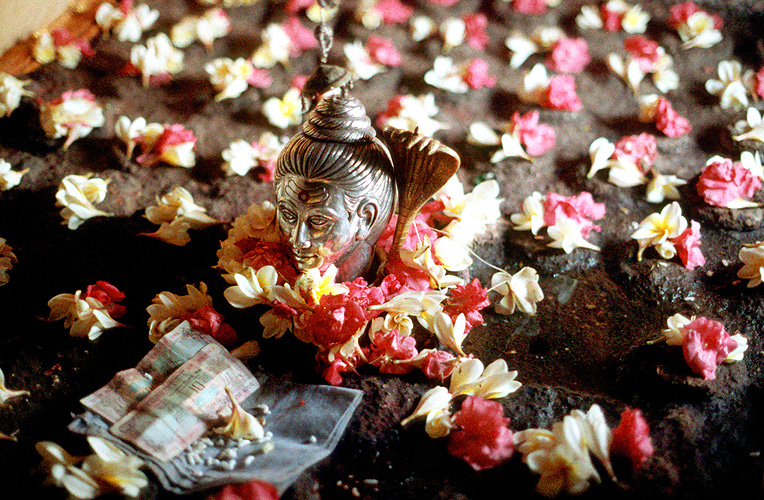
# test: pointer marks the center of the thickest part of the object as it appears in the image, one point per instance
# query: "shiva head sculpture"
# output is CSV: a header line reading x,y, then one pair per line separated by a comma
x,y
335,190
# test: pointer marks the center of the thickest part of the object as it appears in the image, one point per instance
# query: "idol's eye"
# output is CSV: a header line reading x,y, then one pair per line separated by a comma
x,y
319,222
287,215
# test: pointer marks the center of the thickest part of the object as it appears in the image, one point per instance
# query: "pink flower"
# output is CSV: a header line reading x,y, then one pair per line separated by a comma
x,y
208,320
333,374
445,3
611,19
569,55
383,51
260,78
706,344
390,287
537,139
475,25
394,106
640,149
580,208
258,254
643,51
108,295
437,364
390,347
529,6
298,81
364,295
301,38
467,299
561,94
252,490
62,37
393,11
412,279
335,319
678,14
476,74
668,121
295,6
631,439
721,182
483,439
419,229
688,246
760,83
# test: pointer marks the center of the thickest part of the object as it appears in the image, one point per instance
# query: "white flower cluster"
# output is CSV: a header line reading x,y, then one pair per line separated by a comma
x,y
286,111
562,456
74,115
260,220
447,76
107,470
167,309
229,78
128,25
750,129
519,291
359,61
84,317
214,23
77,194
664,77
9,178
45,50
242,156
658,229
275,48
699,31
522,47
11,91
157,57
634,19
733,85
416,112
469,378
176,213
753,264
7,261
452,30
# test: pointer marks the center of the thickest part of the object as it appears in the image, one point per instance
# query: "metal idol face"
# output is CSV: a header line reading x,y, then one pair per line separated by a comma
x,y
315,222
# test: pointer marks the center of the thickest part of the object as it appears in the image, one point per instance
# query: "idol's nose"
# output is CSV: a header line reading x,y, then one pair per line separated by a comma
x,y
300,236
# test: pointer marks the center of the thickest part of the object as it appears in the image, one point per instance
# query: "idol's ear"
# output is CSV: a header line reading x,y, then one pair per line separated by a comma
x,y
368,213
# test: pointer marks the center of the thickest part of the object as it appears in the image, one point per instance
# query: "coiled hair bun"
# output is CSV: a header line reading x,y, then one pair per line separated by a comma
x,y
339,117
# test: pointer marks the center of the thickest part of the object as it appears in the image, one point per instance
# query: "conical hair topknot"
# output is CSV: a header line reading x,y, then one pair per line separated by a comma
x,y
339,118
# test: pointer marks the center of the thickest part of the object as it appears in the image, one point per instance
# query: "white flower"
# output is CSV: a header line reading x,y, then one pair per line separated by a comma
x,y
673,334
274,325
635,20
229,77
446,75
473,211
9,178
752,162
657,229
739,351
435,400
627,70
130,132
648,107
596,434
451,334
214,23
421,27
157,57
566,235
732,85
252,287
752,128
589,18
241,156
663,187
453,31
360,62
84,317
665,78
625,173
11,91
106,471
7,261
535,83
129,26
453,255
5,393
753,264
495,381
74,115
240,424
699,31
480,134
167,309
77,194
421,305
259,222
174,232
176,213
520,290
532,217
416,112
274,48
511,146
600,152
284,112
421,258
43,50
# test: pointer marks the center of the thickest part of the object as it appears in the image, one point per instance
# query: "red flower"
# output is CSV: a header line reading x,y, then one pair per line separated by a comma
x,y
688,246
641,149
412,279
537,138
706,344
335,319
475,25
631,439
569,55
208,320
390,287
62,37
476,75
467,299
383,51
580,208
678,14
301,38
760,82
722,181
364,295
419,229
389,347
643,51
483,439
253,490
340,365
259,253
529,6
393,11
437,364
108,295
668,121
611,19
561,94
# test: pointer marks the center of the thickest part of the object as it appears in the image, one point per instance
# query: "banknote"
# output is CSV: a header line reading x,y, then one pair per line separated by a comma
x,y
174,394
